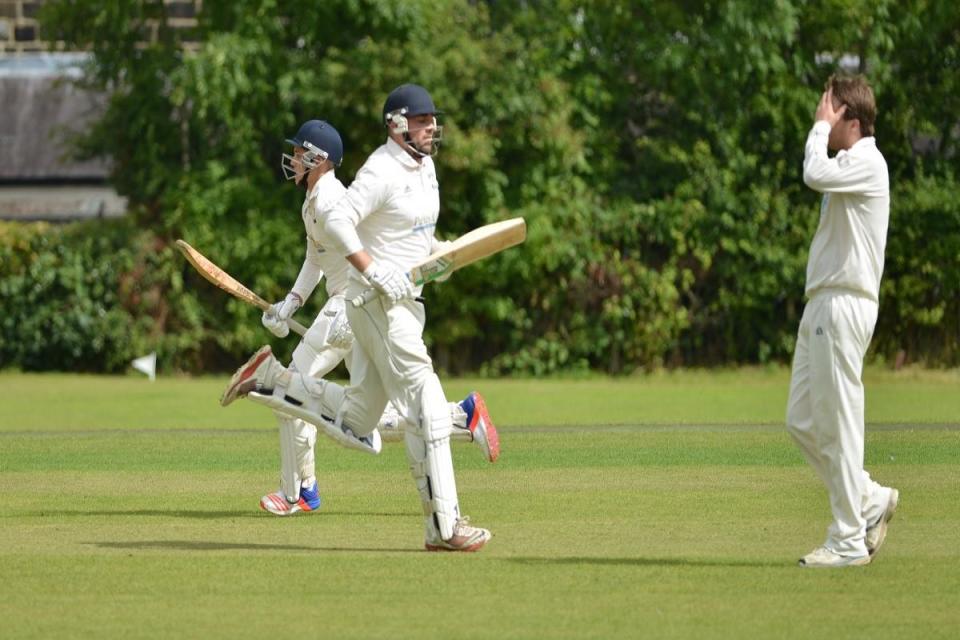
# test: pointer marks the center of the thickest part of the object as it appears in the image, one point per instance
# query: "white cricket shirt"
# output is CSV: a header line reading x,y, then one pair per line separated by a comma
x,y
319,259
847,249
390,210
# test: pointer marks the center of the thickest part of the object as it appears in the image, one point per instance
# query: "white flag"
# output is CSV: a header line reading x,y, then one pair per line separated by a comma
x,y
147,365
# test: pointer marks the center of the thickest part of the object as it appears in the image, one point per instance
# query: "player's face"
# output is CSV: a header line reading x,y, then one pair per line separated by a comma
x,y
843,134
421,130
297,164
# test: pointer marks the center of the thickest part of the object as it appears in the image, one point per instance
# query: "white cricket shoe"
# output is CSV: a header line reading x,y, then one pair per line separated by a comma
x,y
465,538
277,503
877,533
481,426
823,557
248,377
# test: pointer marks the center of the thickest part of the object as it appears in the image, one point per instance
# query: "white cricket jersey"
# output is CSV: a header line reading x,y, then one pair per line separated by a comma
x,y
319,259
848,247
390,210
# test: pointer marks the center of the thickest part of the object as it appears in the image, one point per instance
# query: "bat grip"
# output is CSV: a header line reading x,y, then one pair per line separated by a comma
x,y
365,297
297,328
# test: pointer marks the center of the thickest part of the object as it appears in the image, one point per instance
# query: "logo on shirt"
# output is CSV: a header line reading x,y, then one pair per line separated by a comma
x,y
819,331
424,221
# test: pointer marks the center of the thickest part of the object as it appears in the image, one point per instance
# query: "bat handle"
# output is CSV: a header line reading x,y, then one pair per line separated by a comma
x,y
364,298
297,327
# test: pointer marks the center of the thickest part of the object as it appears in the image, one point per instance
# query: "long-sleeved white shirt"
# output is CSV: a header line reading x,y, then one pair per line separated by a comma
x,y
848,247
319,260
390,210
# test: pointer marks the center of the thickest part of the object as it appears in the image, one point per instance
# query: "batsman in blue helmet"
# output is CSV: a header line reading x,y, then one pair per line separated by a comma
x,y
302,400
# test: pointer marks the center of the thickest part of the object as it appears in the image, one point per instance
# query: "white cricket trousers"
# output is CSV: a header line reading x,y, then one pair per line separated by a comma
x,y
825,411
389,362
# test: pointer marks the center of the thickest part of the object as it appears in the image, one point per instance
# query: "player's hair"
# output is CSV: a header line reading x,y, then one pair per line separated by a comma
x,y
855,92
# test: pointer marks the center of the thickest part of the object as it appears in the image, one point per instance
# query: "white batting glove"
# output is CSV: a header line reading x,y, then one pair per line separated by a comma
x,y
285,310
274,325
389,281
275,318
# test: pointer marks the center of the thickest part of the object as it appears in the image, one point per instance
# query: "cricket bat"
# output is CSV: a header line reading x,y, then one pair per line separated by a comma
x,y
467,249
225,281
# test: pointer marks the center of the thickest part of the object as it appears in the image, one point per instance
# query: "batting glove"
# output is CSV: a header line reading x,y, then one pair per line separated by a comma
x,y
275,318
285,310
389,281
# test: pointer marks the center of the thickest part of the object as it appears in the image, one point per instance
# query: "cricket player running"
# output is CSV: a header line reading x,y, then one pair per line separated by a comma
x,y
825,411
317,151
383,226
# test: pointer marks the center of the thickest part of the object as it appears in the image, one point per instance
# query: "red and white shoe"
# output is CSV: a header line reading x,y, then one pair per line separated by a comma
x,y
481,425
248,377
277,503
465,538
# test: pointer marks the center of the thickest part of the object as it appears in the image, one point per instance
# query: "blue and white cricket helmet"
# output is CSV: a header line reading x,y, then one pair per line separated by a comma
x,y
320,141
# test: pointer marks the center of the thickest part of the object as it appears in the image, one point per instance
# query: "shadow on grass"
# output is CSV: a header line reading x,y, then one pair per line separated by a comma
x,y
209,514
200,545
647,562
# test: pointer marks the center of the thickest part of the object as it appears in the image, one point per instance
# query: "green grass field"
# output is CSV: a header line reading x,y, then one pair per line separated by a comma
x,y
672,505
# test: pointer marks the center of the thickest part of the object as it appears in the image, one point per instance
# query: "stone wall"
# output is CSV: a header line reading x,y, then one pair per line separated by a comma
x,y
20,31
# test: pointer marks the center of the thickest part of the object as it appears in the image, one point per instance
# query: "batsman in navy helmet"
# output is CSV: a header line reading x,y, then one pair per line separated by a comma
x,y
409,113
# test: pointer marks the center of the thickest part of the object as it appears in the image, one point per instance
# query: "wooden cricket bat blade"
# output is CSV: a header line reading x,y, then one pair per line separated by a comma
x,y
220,278
467,249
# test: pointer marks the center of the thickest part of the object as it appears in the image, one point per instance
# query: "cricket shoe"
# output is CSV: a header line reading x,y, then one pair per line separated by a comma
x,y
465,538
877,533
822,557
249,377
277,503
481,426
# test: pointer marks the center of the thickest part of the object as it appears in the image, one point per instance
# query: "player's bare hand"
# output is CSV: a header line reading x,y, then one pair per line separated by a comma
x,y
826,111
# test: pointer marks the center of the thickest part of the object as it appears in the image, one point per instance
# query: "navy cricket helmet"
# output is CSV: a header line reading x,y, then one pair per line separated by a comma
x,y
320,139
409,100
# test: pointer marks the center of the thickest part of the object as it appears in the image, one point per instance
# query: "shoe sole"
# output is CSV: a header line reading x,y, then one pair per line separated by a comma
x,y
491,436
240,376
885,520
852,562
468,549
283,512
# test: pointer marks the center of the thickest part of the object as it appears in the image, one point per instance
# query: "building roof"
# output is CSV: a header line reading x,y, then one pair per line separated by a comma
x,y
42,107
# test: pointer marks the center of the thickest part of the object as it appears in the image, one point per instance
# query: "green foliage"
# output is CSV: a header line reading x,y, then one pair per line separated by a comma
x,y
653,147
919,297
80,297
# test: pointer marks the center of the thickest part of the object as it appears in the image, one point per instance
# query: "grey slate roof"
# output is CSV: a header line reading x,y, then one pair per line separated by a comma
x,y
39,106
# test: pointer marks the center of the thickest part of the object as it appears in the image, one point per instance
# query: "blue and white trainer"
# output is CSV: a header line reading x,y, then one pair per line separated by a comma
x,y
277,503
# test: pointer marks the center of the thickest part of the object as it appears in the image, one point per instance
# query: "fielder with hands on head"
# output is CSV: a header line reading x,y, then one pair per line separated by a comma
x,y
825,411
384,225
317,151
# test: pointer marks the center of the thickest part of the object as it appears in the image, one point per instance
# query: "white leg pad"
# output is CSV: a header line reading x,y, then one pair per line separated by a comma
x,y
297,462
312,413
428,451
392,427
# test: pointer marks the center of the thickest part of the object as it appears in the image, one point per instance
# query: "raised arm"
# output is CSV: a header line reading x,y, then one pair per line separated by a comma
x,y
846,173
